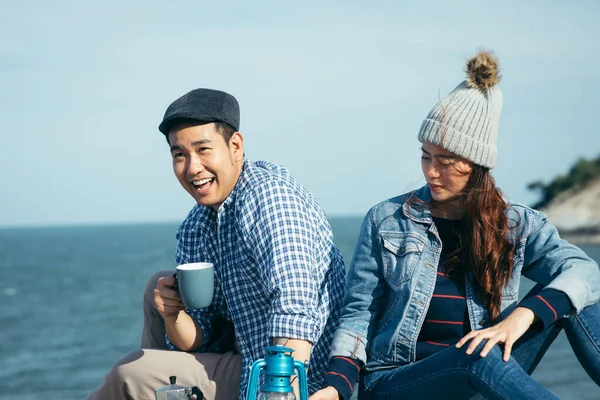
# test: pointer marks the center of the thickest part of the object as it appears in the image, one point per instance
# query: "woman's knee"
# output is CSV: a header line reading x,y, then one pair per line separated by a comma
x,y
583,330
583,333
475,363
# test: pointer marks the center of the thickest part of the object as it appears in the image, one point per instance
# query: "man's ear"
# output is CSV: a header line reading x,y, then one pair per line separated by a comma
x,y
236,146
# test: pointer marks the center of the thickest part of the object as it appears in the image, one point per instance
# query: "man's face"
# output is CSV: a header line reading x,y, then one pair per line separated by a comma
x,y
206,166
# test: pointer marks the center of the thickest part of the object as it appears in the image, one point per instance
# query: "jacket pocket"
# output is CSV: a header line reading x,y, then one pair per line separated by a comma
x,y
400,256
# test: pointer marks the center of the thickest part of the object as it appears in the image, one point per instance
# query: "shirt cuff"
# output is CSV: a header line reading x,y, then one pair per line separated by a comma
x,y
169,344
204,326
342,375
296,326
549,305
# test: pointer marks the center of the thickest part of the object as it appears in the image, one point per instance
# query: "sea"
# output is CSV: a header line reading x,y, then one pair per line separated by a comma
x,y
70,306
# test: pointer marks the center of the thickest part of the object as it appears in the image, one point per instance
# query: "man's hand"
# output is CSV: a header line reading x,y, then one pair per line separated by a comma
x,y
183,331
508,331
329,393
167,300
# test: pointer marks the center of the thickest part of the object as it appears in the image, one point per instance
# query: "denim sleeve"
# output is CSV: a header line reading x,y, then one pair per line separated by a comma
x,y
364,291
557,264
281,234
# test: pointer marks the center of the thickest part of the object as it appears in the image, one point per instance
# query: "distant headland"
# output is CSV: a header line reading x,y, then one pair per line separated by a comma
x,y
572,202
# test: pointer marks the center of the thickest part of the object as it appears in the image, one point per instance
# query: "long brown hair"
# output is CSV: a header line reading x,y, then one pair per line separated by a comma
x,y
484,245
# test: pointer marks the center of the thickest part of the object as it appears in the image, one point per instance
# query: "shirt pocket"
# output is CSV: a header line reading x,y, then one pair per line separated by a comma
x,y
400,255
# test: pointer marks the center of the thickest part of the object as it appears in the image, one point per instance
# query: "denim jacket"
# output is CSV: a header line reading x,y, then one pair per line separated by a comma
x,y
393,273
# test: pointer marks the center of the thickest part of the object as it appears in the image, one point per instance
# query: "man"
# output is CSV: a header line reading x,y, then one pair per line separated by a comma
x,y
278,276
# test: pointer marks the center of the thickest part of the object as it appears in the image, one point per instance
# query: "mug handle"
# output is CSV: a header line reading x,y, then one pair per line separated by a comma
x,y
176,286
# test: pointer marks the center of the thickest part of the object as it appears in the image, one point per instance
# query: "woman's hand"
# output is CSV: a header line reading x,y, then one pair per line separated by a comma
x,y
329,393
508,331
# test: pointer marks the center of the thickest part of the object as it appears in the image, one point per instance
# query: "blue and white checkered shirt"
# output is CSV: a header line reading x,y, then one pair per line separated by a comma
x,y
278,273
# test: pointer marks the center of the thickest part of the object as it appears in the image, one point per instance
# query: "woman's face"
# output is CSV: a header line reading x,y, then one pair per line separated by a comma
x,y
446,173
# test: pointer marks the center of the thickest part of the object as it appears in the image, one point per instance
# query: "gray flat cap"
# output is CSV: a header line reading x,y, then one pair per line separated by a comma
x,y
202,105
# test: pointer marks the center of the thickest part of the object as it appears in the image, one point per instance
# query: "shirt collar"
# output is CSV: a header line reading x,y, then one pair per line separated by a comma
x,y
240,185
204,213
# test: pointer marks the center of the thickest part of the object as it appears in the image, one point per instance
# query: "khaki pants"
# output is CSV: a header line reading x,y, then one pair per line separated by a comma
x,y
137,374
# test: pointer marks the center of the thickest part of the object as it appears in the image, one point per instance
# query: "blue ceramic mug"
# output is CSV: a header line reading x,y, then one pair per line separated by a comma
x,y
195,282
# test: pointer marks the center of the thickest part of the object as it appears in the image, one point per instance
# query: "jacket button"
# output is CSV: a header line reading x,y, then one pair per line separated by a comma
x,y
482,322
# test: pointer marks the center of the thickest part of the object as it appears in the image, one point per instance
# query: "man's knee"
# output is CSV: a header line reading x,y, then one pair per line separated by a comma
x,y
126,370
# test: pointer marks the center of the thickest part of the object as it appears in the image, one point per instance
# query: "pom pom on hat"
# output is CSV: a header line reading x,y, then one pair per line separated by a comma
x,y
482,71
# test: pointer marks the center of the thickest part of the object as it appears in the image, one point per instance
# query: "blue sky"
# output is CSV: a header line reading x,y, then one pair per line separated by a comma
x,y
335,91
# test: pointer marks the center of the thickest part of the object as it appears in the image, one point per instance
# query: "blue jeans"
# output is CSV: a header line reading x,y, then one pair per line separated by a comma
x,y
452,374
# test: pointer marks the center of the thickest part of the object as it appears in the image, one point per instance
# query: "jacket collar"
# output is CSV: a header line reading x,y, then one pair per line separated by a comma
x,y
416,207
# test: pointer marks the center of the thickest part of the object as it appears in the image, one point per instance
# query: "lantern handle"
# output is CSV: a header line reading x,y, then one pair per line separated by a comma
x,y
252,391
302,384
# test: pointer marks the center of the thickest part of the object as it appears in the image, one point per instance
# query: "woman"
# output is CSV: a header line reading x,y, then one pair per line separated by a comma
x,y
432,306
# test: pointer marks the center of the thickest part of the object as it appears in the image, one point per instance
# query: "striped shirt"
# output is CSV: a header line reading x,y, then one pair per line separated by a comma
x,y
447,319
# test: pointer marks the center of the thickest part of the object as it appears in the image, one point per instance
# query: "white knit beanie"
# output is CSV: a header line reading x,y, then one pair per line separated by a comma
x,y
466,121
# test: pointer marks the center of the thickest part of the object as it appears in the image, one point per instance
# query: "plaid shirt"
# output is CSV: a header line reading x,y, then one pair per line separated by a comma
x,y
277,270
